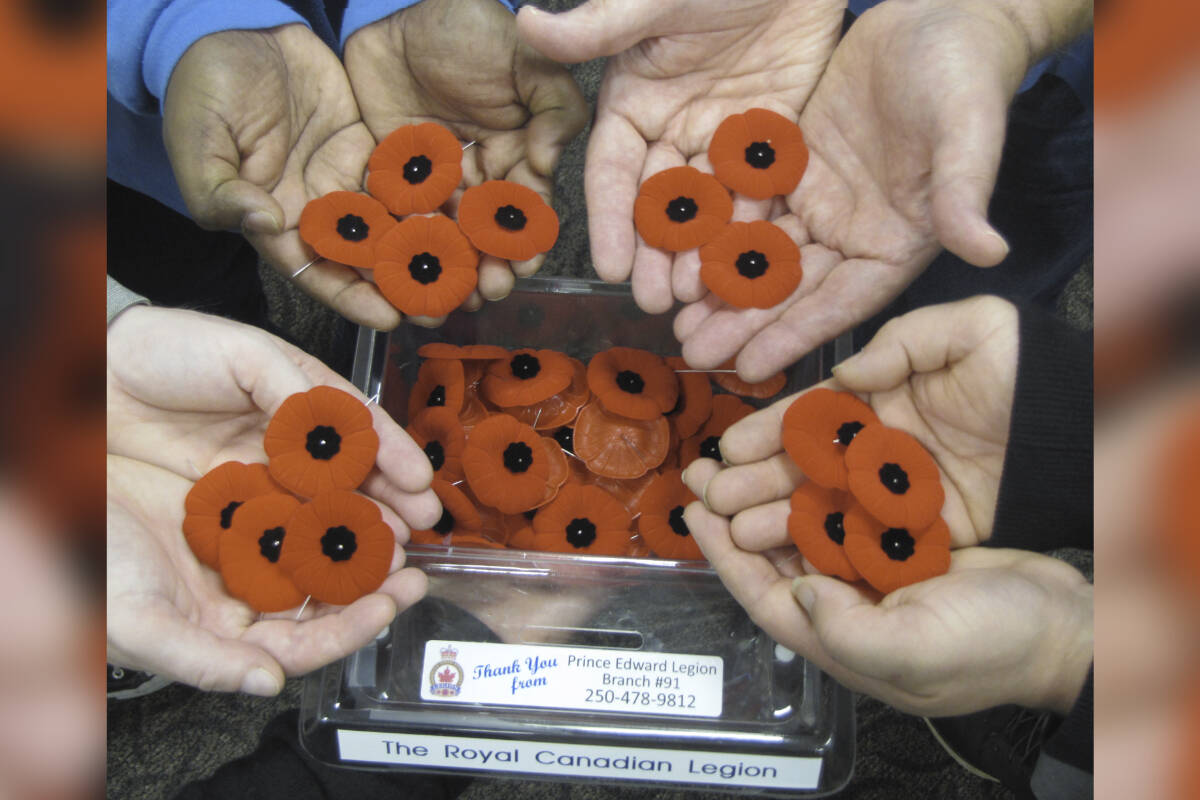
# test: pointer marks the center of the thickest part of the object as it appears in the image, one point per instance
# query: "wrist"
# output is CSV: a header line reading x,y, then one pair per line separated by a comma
x,y
1071,655
1043,25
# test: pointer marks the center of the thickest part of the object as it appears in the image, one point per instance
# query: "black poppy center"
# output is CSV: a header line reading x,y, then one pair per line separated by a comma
x,y
436,454
833,527
524,366
893,478
425,268
675,520
227,514
339,543
580,532
446,523
847,431
630,381
270,542
353,228
752,264
565,437
417,169
760,155
897,544
711,448
437,397
518,457
682,209
323,442
510,218
530,514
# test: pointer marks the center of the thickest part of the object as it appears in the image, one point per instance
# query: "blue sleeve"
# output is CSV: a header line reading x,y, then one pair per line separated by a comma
x,y
360,13
146,38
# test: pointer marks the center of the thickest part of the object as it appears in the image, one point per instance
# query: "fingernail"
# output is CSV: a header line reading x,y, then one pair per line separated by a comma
x,y
260,222
804,594
261,683
1003,243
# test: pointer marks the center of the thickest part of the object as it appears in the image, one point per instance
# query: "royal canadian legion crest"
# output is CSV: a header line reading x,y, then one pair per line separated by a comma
x,y
446,677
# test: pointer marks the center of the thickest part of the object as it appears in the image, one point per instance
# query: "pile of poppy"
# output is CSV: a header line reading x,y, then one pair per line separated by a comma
x,y
871,507
759,154
273,549
535,450
426,265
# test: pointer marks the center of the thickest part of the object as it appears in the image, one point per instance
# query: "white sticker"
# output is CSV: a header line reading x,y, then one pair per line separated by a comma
x,y
581,678
552,758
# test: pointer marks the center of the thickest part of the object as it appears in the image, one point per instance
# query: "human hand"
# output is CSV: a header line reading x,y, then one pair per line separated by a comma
x,y
459,63
187,392
678,68
256,124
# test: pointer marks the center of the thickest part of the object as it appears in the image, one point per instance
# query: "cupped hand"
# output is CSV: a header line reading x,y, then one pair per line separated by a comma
x,y
459,63
256,124
905,131
678,68
944,374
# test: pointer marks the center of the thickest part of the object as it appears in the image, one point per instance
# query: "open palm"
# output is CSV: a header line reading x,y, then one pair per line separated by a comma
x,y
678,68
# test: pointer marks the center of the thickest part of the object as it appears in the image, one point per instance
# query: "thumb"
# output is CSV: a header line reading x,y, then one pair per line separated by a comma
x,y
595,29
188,654
558,108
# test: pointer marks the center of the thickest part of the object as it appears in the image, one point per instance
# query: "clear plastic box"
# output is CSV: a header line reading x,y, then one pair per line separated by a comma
x,y
561,667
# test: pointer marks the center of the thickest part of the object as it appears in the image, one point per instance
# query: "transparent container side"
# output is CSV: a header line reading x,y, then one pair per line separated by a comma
x,y
779,727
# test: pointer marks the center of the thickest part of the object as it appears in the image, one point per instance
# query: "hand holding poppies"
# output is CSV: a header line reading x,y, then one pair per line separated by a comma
x,y
257,123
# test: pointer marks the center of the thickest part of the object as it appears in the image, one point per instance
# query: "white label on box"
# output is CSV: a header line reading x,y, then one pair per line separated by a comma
x,y
581,678
552,758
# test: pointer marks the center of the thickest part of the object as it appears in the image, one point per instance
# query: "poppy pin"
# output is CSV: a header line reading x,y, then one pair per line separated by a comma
x,y
759,154
507,220
817,527
321,440
440,383
250,555
818,427
584,520
632,383
506,465
425,266
527,377
213,502
891,557
345,226
894,477
751,265
660,520
415,168
440,434
681,208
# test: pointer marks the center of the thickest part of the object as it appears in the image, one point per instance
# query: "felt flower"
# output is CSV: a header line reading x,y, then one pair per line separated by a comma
x,y
345,226
894,477
506,464
469,352
632,383
439,433
694,404
526,377
751,265
619,447
440,382
727,410
818,427
730,382
891,557
459,516
558,409
583,520
250,555
681,208
522,538
507,220
321,440
214,500
759,154
816,525
338,547
425,267
415,168
661,518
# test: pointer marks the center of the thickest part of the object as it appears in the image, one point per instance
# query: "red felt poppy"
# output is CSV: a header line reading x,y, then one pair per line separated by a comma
x,y
730,382
759,154
321,440
415,168
338,547
818,427
440,382
212,503
506,464
681,208
694,406
425,267
459,516
507,220
727,410
894,477
751,265
559,409
469,352
585,520
522,538
440,434
816,525
891,557
526,377
250,554
661,518
345,227
618,447
632,383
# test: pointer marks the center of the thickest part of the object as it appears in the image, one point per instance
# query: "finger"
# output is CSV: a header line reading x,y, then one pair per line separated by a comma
x,y
496,279
692,316
615,155
427,322
524,269
685,277
592,30
474,302
762,527
558,108
756,437
698,474
738,488
399,461
420,510
652,266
